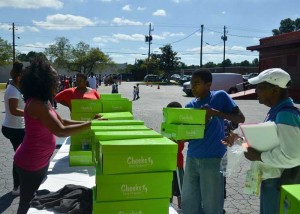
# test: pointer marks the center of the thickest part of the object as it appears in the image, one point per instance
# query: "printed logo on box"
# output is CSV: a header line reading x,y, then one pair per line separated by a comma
x,y
139,162
131,212
86,108
117,107
184,118
191,133
133,190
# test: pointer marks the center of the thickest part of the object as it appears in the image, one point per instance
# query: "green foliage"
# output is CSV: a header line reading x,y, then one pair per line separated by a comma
x,y
168,60
287,25
30,55
6,52
81,58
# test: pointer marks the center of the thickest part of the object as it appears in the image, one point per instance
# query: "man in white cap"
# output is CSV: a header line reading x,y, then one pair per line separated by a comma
x,y
271,88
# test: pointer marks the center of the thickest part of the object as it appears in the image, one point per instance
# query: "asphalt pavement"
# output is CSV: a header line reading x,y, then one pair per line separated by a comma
x,y
149,109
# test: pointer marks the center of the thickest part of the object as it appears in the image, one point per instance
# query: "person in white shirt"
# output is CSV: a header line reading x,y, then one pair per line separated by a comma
x,y
92,81
13,126
272,90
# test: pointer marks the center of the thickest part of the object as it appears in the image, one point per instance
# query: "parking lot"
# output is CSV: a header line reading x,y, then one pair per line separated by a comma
x,y
149,109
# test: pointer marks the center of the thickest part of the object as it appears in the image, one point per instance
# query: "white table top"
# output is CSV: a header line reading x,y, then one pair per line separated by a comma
x,y
61,174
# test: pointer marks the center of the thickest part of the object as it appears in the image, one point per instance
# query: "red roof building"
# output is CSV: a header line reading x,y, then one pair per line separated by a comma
x,y
282,51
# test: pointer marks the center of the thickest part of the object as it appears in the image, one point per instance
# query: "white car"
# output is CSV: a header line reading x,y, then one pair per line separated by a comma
x,y
229,82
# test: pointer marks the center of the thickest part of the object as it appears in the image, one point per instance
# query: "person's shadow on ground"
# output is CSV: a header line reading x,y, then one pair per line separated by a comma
x,y
6,201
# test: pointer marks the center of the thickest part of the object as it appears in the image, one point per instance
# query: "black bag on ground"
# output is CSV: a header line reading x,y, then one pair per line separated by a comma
x,y
71,199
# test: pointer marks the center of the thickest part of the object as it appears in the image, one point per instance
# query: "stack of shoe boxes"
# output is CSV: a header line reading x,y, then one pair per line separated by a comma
x,y
134,171
111,107
81,144
183,123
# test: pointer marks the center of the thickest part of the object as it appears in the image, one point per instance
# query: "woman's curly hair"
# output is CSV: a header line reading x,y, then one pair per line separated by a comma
x,y
39,80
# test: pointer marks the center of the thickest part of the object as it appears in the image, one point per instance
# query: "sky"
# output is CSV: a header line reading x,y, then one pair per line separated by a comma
x,y
118,27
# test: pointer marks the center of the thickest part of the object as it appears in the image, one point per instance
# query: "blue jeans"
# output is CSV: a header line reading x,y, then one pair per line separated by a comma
x,y
203,187
269,196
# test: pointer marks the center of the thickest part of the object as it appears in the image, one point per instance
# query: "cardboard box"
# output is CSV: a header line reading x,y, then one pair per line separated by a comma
x,y
119,135
110,96
136,186
184,116
80,158
83,116
290,199
84,105
149,206
136,155
117,116
119,128
182,132
120,105
116,122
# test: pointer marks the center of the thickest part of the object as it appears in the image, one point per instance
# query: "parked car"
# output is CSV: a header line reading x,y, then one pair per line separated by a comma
x,y
184,78
248,76
175,77
152,78
229,82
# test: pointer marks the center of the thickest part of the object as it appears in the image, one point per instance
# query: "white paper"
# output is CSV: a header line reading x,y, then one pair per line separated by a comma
x,y
261,136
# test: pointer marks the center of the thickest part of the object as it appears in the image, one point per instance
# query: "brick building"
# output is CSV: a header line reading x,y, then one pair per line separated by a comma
x,y
282,51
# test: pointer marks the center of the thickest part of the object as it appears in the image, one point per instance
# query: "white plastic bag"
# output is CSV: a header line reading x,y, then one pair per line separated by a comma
x,y
231,162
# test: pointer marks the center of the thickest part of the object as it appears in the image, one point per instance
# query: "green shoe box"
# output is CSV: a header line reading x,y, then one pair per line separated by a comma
x,y
117,115
112,128
135,186
84,105
290,199
119,128
150,206
120,105
110,96
80,158
116,122
120,135
184,115
82,141
83,116
182,132
136,155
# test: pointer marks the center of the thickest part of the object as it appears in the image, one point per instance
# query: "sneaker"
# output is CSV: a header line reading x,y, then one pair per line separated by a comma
x,y
16,191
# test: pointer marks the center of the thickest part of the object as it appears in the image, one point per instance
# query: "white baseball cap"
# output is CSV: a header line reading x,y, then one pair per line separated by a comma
x,y
275,76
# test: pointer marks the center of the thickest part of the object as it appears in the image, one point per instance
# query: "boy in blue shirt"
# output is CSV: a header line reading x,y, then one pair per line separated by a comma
x,y
203,184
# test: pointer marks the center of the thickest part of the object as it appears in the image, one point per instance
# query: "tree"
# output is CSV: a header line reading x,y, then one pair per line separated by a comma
x,y
287,25
209,65
30,55
168,60
81,58
255,62
245,63
60,52
6,52
297,24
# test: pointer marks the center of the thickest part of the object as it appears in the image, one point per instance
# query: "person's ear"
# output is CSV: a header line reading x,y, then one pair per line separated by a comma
x,y
276,89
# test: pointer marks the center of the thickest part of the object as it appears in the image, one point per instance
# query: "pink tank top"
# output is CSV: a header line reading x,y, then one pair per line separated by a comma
x,y
38,145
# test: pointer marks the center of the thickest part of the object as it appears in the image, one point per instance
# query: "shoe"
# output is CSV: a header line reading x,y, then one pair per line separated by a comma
x,y
16,191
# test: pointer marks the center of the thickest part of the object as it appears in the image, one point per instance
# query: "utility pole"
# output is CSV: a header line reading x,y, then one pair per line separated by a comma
x,y
14,50
201,46
224,38
148,38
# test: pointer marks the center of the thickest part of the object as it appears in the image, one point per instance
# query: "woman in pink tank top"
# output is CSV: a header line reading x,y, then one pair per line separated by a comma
x,y
42,124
